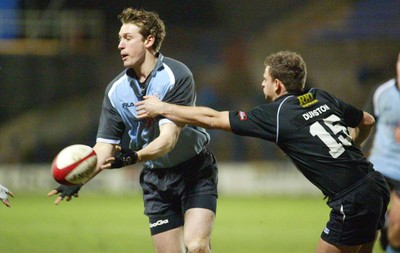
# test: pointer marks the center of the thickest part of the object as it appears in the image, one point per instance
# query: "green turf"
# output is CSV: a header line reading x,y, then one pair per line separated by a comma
x,y
115,223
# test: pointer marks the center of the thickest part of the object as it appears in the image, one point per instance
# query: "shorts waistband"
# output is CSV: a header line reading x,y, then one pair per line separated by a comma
x,y
193,160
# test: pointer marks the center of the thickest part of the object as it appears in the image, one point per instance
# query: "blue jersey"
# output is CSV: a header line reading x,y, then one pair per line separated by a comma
x,y
385,153
170,81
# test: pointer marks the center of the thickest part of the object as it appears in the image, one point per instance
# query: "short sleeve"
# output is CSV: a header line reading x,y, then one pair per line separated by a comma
x,y
111,126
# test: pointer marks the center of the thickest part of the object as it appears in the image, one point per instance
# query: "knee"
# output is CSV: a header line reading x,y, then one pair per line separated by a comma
x,y
198,246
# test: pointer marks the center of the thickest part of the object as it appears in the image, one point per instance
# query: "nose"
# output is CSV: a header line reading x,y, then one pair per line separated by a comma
x,y
121,45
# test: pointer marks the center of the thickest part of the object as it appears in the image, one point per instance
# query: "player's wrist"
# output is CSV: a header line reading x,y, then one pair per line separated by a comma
x,y
166,109
124,157
138,156
132,158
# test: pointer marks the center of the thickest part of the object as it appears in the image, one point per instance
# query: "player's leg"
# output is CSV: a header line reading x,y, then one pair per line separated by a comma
x,y
367,248
197,230
167,233
325,247
170,241
356,216
200,202
383,237
393,232
164,211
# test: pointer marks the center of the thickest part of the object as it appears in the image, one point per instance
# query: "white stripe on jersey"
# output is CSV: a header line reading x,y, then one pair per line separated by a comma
x,y
170,74
108,141
277,117
165,121
115,84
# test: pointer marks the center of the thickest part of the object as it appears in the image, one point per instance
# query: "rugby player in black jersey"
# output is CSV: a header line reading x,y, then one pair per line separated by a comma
x,y
320,134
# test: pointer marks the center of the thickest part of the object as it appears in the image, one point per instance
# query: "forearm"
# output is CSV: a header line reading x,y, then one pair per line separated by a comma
x,y
164,143
192,115
198,116
154,150
361,133
103,151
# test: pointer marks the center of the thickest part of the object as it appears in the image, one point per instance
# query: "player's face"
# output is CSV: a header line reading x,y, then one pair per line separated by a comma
x,y
268,85
131,45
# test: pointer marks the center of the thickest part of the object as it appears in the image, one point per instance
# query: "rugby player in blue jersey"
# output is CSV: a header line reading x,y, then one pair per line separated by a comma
x,y
179,176
312,128
385,152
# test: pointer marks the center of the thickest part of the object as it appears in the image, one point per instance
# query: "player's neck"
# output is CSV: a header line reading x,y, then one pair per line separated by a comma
x,y
145,68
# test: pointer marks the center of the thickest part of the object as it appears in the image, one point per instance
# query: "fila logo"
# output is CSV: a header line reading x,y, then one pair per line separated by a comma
x,y
158,223
242,115
127,105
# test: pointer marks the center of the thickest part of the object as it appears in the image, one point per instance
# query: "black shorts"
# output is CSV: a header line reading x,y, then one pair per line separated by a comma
x,y
169,192
358,212
394,185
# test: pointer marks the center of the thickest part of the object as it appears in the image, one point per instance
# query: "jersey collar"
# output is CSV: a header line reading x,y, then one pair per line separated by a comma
x,y
143,86
286,95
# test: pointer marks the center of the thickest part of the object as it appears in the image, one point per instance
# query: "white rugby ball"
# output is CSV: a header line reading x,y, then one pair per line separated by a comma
x,y
74,164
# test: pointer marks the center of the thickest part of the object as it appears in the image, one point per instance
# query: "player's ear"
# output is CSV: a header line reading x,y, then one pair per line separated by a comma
x,y
149,42
279,87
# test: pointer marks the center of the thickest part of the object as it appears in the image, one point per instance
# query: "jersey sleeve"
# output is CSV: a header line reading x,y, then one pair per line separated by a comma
x,y
259,123
111,126
352,116
183,92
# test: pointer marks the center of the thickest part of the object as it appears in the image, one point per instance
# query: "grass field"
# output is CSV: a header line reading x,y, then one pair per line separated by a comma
x,y
115,224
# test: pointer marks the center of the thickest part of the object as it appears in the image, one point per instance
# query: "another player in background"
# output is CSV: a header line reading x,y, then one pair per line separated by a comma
x,y
4,193
179,178
385,152
311,127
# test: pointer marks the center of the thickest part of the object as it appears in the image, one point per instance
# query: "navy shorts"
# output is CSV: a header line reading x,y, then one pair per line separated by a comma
x,y
358,212
169,192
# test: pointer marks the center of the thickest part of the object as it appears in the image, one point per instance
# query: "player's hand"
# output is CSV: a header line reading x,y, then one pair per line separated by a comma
x,y
150,107
123,157
4,193
65,191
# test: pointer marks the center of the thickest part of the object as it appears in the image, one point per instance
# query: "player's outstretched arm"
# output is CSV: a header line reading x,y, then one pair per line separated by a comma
x,y
164,143
4,193
205,117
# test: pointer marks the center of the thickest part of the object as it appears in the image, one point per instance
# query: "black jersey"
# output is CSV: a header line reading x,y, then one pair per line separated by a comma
x,y
311,128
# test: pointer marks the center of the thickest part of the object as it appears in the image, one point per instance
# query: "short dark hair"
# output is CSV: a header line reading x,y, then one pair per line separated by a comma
x,y
288,67
148,22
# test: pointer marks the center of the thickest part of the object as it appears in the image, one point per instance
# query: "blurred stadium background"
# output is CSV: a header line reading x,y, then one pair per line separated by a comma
x,y
57,56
